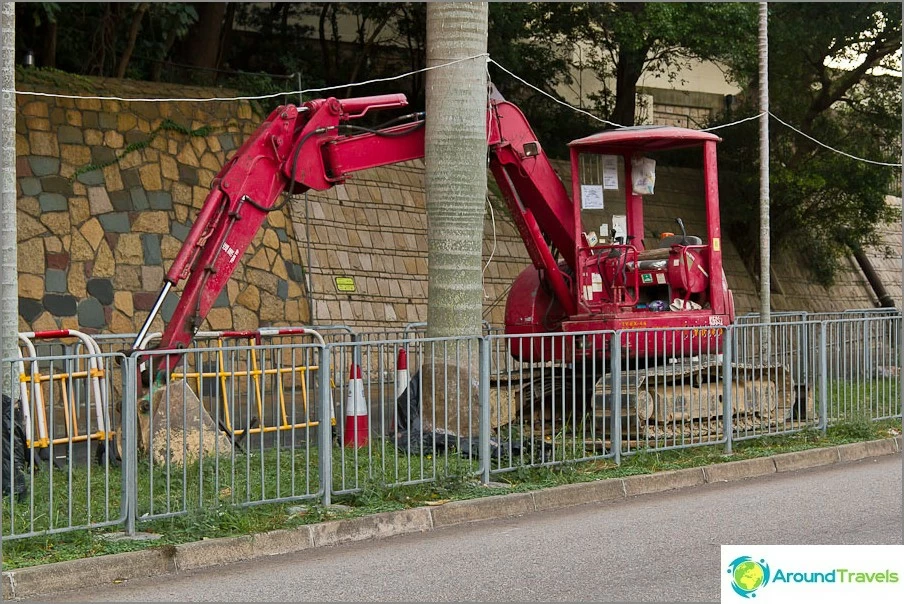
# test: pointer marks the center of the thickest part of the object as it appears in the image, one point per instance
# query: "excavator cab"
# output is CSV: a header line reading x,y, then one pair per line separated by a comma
x,y
633,265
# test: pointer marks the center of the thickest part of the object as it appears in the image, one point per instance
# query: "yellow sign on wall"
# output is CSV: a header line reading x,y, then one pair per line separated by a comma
x,y
345,285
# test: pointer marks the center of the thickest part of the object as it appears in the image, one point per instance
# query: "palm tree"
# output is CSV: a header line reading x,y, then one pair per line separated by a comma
x,y
455,156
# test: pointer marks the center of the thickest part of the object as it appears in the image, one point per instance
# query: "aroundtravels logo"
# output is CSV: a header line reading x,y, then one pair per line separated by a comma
x,y
748,575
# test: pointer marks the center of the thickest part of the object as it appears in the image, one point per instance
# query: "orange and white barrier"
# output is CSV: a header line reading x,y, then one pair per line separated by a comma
x,y
34,407
357,426
224,372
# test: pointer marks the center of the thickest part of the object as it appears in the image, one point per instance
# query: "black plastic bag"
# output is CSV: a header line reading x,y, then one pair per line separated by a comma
x,y
411,439
14,452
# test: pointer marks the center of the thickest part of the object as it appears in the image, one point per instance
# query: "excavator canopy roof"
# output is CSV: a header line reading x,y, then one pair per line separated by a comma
x,y
643,138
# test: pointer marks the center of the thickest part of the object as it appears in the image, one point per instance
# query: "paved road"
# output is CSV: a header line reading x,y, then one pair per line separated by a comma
x,y
661,547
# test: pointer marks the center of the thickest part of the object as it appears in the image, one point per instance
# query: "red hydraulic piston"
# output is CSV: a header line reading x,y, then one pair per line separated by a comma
x,y
363,104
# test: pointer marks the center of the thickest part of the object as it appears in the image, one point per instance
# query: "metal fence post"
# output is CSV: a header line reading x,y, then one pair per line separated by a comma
x,y
129,442
484,406
615,411
324,432
727,424
823,376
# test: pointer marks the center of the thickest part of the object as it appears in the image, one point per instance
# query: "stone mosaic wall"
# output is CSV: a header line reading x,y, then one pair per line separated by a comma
x,y
94,243
93,247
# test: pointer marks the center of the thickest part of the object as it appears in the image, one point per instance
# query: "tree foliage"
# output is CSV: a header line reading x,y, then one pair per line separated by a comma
x,y
621,41
822,202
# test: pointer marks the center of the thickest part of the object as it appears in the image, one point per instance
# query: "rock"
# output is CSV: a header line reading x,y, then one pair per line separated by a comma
x,y
75,155
99,201
113,139
80,250
30,308
120,322
94,177
79,209
128,250
30,186
219,319
70,134
121,200
102,289
43,143
44,166
250,298
91,313
150,177
104,266
60,305
151,278
151,222
173,440
57,222
139,199
122,301
31,286
76,281
55,281
115,222
30,206
127,279
52,202
57,260
160,200
30,258
28,227
150,247
454,405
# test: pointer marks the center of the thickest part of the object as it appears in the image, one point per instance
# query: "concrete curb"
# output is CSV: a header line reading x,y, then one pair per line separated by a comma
x,y
167,559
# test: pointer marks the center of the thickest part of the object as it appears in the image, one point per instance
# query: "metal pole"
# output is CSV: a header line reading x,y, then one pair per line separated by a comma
x,y
129,441
765,286
727,425
615,411
9,277
324,433
823,377
484,402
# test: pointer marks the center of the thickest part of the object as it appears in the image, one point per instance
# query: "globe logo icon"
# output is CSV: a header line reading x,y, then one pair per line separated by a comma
x,y
748,575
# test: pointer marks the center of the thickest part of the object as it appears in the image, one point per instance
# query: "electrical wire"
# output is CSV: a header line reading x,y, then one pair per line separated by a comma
x,y
492,251
804,134
246,98
560,102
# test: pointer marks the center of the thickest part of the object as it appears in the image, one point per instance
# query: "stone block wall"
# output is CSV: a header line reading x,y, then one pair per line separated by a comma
x,y
94,243
93,246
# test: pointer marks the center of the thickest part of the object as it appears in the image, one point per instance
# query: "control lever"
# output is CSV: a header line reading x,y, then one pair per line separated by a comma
x,y
683,231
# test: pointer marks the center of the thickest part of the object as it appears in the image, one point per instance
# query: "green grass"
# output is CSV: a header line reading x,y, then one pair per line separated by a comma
x,y
218,497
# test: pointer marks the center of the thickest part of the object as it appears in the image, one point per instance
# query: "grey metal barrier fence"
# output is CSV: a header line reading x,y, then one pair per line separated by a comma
x,y
861,366
230,425
775,378
60,444
284,414
673,385
405,427
552,404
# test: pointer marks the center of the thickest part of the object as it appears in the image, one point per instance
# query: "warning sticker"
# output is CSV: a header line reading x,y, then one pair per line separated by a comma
x,y
345,284
646,278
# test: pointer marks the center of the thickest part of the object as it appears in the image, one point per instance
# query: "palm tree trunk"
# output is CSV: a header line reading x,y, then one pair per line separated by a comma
x,y
9,277
455,156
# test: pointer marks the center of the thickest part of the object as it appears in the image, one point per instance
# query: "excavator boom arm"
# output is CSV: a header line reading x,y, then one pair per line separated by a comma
x,y
315,147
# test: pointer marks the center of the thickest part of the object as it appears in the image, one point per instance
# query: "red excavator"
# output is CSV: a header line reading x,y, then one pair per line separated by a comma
x,y
595,285
580,281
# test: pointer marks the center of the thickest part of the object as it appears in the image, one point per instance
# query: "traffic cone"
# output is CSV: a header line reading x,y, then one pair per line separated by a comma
x,y
401,373
357,428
